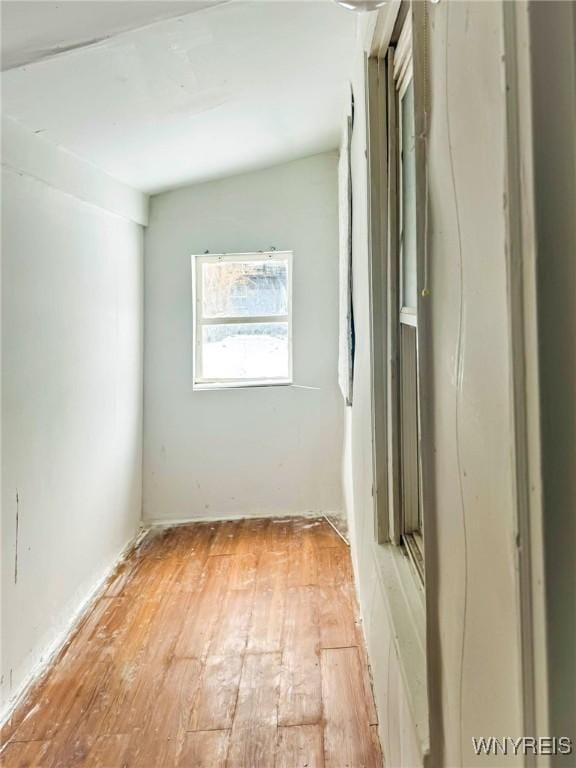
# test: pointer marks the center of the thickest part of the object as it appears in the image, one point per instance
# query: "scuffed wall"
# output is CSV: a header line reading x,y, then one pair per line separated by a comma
x,y
71,411
252,451
476,664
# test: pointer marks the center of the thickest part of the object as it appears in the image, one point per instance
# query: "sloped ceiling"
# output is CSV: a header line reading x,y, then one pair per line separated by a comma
x,y
217,91
40,29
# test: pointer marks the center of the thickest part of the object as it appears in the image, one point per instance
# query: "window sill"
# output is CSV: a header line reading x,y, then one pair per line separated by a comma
x,y
404,600
212,385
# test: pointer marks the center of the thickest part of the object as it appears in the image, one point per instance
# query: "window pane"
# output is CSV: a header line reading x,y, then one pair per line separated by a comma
x,y
245,351
243,289
408,200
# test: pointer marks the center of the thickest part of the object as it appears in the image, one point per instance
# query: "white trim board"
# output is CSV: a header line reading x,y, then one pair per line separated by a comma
x,y
161,523
306,515
403,598
65,630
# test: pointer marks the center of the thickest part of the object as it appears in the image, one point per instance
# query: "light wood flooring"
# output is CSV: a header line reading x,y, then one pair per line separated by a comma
x,y
214,645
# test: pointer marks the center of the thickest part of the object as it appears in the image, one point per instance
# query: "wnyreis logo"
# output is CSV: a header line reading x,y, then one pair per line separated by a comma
x,y
523,745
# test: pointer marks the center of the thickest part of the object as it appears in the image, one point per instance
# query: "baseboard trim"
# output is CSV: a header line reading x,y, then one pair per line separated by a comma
x,y
164,523
57,645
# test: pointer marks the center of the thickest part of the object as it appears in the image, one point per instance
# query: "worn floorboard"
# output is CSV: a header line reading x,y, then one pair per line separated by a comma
x,y
348,736
217,645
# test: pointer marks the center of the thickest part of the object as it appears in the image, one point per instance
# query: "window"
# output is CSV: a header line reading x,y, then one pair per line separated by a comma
x,y
242,319
410,528
397,250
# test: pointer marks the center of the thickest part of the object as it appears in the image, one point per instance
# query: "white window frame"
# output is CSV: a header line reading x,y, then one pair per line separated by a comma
x,y
390,70
410,532
200,382
405,593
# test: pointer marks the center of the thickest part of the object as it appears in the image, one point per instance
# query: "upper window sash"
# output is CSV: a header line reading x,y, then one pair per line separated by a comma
x,y
403,76
283,257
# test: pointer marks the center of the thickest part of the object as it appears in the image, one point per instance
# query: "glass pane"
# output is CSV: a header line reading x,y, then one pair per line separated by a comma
x,y
245,351
243,289
408,249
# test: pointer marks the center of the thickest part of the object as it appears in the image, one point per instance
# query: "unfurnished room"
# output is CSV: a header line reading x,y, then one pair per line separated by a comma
x,y
288,421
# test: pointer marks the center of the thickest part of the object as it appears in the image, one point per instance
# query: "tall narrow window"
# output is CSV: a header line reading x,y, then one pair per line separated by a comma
x,y
410,531
242,319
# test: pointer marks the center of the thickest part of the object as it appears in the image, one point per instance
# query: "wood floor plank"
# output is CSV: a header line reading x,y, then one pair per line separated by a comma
x,y
252,536
199,623
194,540
177,542
109,751
61,700
96,636
86,644
300,746
109,634
217,695
225,538
253,737
301,623
279,534
147,752
334,566
300,700
303,565
152,578
204,749
272,570
231,630
160,643
243,571
130,641
267,621
77,734
175,699
27,754
348,736
368,691
189,575
70,666
134,690
337,617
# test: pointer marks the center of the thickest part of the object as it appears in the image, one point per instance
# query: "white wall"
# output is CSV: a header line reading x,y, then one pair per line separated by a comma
x,y
473,617
71,400
261,451
474,473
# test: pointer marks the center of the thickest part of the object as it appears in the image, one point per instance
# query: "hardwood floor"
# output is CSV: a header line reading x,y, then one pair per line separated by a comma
x,y
224,645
